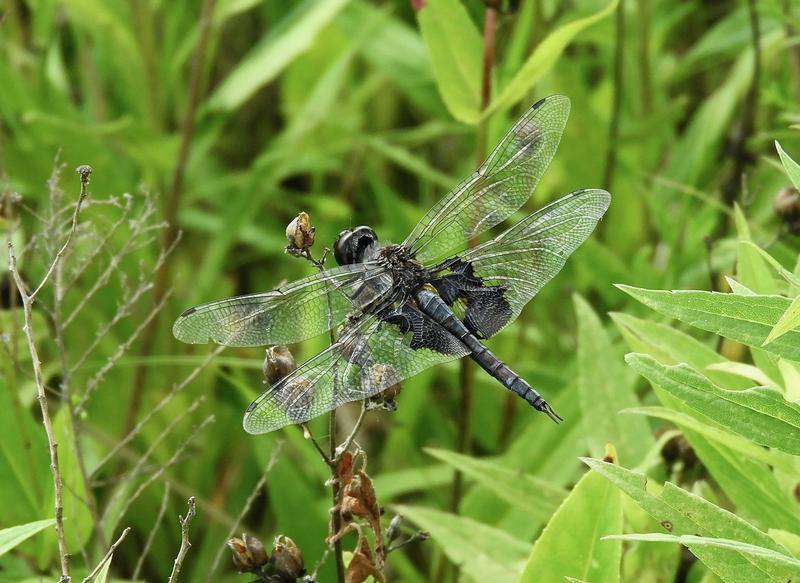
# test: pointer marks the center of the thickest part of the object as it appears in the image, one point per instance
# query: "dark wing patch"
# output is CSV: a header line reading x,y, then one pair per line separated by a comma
x,y
485,308
425,333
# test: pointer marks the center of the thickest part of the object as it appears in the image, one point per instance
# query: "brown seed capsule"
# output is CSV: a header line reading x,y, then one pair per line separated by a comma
x,y
249,553
287,560
278,363
300,233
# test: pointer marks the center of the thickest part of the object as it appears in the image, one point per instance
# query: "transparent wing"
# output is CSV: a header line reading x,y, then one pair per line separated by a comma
x,y
490,284
498,188
370,356
291,313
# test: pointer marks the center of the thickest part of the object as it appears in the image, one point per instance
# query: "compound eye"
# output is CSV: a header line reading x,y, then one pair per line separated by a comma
x,y
342,248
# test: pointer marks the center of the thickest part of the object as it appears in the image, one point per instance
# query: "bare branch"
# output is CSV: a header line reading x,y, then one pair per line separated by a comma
x,y
107,557
185,544
84,171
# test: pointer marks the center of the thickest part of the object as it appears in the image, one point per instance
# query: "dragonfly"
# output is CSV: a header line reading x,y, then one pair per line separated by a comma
x,y
402,308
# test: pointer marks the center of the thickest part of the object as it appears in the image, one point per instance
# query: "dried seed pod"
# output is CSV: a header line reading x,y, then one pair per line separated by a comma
x,y
287,560
300,233
393,530
278,363
249,553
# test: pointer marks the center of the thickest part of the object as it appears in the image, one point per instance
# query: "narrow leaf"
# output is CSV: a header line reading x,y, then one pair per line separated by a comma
x,y
778,561
746,319
570,544
483,552
792,168
681,512
605,388
523,491
455,49
11,537
759,414
787,322
281,45
543,58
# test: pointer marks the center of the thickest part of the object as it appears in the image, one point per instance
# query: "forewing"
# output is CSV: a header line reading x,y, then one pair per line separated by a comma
x,y
291,313
498,188
491,283
369,357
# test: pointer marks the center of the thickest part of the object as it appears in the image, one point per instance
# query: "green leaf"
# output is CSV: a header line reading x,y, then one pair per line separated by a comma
x,y
774,559
774,458
483,552
523,491
746,319
790,277
681,513
279,47
11,537
605,388
791,380
570,544
759,414
787,322
455,49
669,345
791,167
542,60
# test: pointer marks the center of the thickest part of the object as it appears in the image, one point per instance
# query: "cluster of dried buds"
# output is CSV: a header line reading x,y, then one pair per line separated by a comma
x,y
284,566
357,503
300,235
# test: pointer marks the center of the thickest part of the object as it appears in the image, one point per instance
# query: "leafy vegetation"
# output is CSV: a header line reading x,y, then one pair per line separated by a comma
x,y
209,126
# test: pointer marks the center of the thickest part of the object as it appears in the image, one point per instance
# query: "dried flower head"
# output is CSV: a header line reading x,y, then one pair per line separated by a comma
x,y
249,553
287,560
300,233
278,363
84,170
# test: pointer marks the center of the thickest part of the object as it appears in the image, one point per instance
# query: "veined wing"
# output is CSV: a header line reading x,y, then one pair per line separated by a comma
x,y
291,313
498,188
489,285
371,355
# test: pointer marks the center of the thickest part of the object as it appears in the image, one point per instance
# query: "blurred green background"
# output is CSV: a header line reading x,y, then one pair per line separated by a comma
x,y
366,112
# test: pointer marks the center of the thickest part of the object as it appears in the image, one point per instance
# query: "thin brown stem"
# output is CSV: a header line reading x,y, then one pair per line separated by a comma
x,y
27,308
616,104
643,41
185,544
107,556
174,199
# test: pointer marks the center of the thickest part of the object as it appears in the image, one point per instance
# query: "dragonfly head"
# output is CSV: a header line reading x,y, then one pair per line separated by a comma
x,y
354,245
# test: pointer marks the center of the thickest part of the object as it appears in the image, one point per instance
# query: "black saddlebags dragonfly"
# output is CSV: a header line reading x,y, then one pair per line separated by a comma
x,y
403,308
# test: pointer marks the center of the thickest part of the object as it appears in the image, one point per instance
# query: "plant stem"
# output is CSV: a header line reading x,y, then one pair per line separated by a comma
x,y
619,65
41,393
467,371
173,202
185,544
107,556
